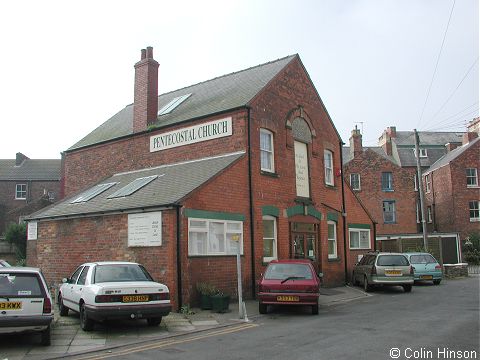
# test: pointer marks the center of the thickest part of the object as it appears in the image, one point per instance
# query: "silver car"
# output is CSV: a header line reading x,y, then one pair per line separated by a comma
x,y
385,269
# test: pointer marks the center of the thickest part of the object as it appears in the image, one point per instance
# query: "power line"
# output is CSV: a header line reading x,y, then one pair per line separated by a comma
x,y
436,65
453,121
454,115
454,91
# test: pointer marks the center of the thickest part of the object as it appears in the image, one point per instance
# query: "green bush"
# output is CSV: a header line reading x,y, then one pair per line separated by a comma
x,y
16,234
471,248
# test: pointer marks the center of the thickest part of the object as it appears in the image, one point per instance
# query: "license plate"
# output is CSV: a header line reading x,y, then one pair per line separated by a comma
x,y
393,272
134,298
426,277
287,298
11,305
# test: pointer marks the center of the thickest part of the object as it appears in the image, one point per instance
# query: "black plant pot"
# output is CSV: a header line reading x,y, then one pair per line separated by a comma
x,y
205,302
220,303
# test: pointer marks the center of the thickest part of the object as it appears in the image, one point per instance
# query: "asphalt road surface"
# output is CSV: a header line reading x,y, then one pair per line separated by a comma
x,y
431,322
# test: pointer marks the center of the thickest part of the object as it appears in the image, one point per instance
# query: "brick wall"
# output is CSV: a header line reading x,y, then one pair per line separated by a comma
x,y
370,166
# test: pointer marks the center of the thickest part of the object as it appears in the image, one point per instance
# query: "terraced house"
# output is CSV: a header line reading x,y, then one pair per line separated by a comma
x,y
248,162
385,179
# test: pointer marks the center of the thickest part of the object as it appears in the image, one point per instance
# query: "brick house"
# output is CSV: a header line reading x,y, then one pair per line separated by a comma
x,y
452,183
249,160
26,185
384,179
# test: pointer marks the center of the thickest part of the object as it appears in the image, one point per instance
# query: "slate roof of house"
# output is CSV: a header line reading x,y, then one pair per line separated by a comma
x,y
173,183
209,97
347,156
452,155
30,169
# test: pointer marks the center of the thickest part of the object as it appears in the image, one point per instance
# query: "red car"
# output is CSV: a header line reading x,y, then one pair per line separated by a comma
x,y
289,282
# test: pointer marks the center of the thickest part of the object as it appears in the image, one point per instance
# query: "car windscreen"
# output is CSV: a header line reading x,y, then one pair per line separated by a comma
x,y
283,271
392,260
422,259
120,273
19,285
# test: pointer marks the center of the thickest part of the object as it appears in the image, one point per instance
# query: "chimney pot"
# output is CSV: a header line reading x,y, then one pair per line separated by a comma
x,y
149,52
144,54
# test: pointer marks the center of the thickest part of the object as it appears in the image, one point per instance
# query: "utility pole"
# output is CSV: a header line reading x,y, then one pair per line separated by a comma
x,y
420,190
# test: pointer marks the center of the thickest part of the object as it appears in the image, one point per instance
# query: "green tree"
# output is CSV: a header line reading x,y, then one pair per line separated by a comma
x,y
471,248
16,234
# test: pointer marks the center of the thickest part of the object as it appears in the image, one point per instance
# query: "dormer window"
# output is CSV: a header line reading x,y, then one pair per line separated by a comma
x,y
422,152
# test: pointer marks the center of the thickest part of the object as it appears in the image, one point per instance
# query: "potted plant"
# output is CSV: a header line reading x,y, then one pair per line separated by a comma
x,y
220,302
206,291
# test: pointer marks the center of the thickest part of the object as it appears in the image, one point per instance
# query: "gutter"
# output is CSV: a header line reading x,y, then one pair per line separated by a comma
x,y
250,193
344,215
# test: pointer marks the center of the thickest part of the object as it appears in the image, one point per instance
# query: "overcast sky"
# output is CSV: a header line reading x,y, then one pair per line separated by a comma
x,y
66,67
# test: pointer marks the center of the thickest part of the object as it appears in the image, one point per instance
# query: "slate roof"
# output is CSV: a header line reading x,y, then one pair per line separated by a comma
x,y
210,97
347,156
428,138
452,155
30,169
174,182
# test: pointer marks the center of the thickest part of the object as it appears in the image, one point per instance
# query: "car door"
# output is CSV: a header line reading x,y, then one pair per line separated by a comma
x,y
77,288
68,290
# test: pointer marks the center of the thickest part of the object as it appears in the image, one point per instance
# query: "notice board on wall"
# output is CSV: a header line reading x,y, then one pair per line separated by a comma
x,y
145,229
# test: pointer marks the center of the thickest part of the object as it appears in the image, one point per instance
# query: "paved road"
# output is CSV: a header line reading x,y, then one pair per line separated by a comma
x,y
425,324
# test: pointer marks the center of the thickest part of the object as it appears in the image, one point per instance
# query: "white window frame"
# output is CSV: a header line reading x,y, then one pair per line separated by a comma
x,y
427,183
328,164
206,229
360,247
475,208
422,152
20,189
474,176
334,240
415,182
274,219
359,183
394,211
270,152
389,186
429,214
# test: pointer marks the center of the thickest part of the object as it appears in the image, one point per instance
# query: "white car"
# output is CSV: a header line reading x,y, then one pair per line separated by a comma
x,y
25,302
113,290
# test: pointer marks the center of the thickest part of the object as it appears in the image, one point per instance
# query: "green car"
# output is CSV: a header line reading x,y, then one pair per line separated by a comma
x,y
425,267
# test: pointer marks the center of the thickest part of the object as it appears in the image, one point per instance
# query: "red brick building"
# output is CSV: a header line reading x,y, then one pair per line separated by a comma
x,y
26,185
249,160
384,179
452,190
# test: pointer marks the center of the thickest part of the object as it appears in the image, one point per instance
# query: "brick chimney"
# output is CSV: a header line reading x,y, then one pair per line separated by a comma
x,y
20,158
473,130
385,141
145,106
356,142
450,146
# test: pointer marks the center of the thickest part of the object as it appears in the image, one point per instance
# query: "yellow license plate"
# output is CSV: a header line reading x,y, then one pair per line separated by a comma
x,y
134,298
426,277
287,298
393,272
11,305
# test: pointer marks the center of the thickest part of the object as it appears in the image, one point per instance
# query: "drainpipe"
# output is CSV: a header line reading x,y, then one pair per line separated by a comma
x,y
344,216
250,192
374,236
179,260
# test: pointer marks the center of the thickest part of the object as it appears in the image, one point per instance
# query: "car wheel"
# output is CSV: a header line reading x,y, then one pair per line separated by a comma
x,y
85,323
262,308
315,309
63,308
354,281
154,321
436,282
366,286
407,288
45,336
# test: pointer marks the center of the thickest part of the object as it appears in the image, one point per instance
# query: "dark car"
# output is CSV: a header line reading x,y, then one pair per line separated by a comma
x,y
383,269
289,282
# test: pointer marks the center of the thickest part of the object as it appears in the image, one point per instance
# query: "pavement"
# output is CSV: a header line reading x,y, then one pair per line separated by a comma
x,y
68,339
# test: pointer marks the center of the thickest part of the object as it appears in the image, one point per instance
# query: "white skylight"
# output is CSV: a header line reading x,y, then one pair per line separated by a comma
x,y
173,104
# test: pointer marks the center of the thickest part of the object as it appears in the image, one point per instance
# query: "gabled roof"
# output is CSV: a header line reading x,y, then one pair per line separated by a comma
x,y
347,155
217,95
173,183
34,170
452,155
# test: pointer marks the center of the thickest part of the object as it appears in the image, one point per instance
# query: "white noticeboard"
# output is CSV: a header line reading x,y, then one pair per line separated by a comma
x,y
145,229
32,230
301,170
